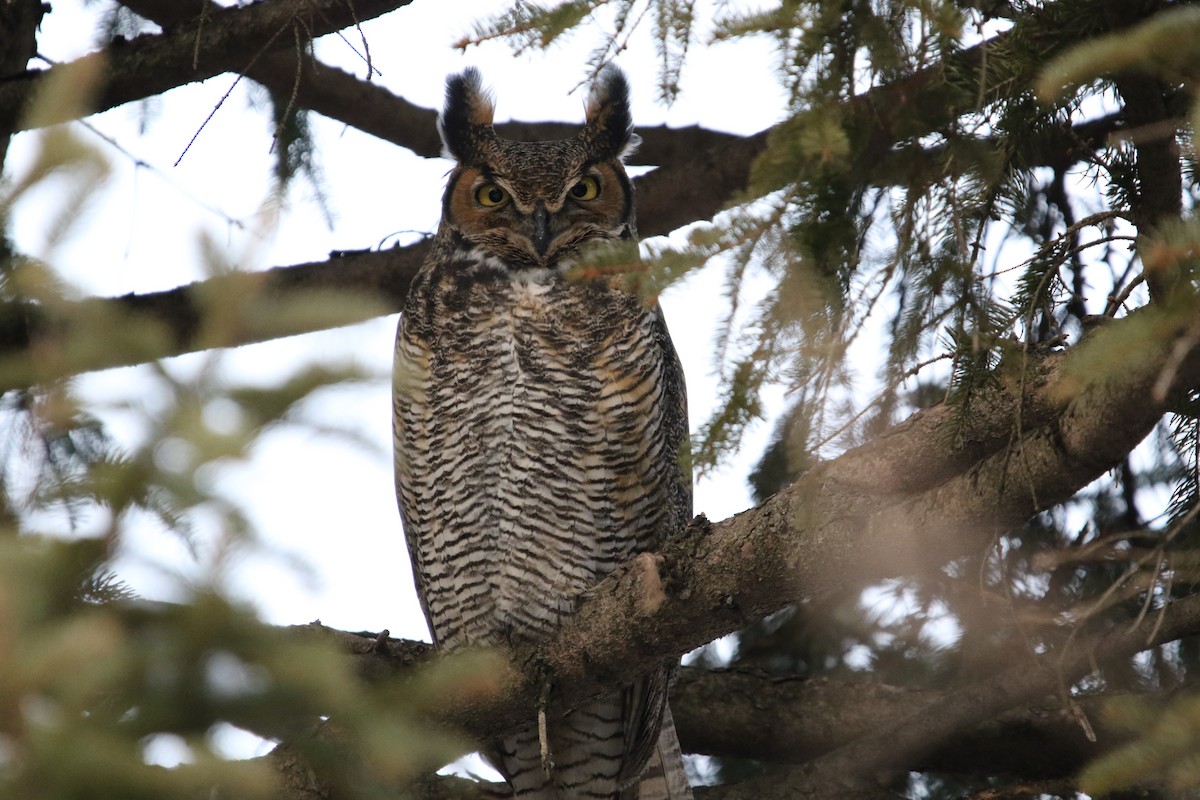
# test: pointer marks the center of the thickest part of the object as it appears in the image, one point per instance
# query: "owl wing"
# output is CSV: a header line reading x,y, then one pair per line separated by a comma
x,y
647,715
411,375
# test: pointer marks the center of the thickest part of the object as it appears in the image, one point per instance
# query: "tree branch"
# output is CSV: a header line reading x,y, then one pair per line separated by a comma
x,y
49,341
1158,195
41,342
891,746
339,95
794,720
227,40
861,768
846,732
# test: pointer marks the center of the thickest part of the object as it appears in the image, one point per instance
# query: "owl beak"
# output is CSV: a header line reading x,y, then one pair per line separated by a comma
x,y
541,230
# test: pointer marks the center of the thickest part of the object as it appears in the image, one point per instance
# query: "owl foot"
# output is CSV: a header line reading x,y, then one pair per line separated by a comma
x,y
651,594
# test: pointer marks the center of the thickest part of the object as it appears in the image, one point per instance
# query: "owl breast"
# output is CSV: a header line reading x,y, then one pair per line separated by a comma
x,y
538,429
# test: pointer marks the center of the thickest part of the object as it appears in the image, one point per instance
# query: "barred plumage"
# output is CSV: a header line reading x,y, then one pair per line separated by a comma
x,y
539,426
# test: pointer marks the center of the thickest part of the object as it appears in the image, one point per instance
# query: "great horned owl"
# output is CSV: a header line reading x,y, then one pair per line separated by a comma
x,y
539,424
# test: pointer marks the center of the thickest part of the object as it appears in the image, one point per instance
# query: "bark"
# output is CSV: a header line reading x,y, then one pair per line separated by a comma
x,y
19,20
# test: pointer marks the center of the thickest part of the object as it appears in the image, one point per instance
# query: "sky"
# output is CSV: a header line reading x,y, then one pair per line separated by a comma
x,y
323,503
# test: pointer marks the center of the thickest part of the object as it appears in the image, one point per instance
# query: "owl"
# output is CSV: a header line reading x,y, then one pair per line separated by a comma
x,y
540,426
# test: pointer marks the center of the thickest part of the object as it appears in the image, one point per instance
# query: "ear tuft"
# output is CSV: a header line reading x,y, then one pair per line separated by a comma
x,y
609,126
466,121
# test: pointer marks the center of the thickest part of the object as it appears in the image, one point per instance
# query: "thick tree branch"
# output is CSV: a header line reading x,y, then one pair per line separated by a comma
x,y
794,720
19,20
370,107
1158,195
226,40
861,768
891,746
846,732
45,341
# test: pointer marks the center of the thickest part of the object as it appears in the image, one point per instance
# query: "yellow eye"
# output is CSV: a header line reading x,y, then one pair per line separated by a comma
x,y
491,196
588,188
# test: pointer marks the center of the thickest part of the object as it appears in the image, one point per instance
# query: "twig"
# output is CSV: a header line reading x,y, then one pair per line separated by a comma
x,y
291,103
1116,301
253,59
366,53
199,30
910,373
1182,348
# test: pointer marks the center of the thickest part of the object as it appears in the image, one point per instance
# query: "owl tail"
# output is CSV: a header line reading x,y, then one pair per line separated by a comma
x,y
664,777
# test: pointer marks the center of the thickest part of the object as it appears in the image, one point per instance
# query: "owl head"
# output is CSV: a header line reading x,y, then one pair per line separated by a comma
x,y
534,205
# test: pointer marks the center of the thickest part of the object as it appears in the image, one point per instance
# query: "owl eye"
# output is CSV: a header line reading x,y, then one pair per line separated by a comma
x,y
588,188
491,196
